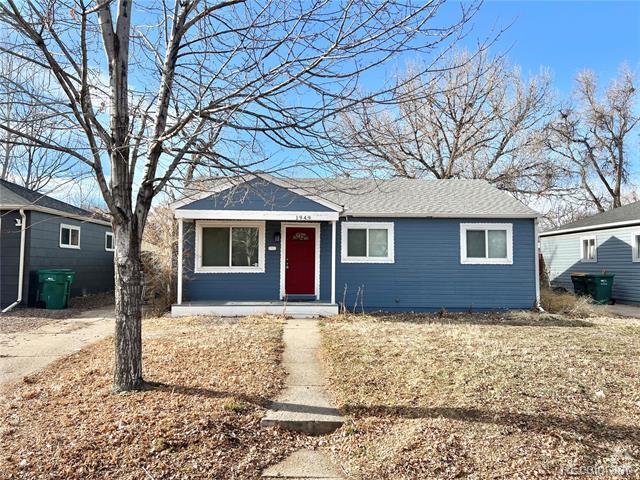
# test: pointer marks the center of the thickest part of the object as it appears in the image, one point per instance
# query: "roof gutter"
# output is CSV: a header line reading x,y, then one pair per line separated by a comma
x,y
23,234
602,226
53,211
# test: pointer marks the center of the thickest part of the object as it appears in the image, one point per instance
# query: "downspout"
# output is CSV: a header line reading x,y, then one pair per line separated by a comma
x,y
537,253
23,232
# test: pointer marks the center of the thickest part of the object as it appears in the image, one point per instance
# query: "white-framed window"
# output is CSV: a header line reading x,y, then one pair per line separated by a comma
x,y
229,247
367,242
109,244
635,246
486,243
69,236
588,249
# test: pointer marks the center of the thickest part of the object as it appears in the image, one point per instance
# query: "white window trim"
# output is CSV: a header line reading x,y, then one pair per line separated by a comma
x,y
634,246
595,249
283,255
69,227
113,239
389,226
199,268
486,261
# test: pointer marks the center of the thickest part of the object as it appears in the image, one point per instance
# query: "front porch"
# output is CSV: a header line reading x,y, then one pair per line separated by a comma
x,y
227,308
255,257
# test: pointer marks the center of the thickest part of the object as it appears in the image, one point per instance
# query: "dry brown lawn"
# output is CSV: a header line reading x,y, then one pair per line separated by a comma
x,y
200,419
485,396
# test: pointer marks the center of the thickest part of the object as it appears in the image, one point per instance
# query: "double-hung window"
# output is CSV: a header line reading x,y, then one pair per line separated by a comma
x,y
236,247
69,236
588,249
367,242
109,246
486,243
635,246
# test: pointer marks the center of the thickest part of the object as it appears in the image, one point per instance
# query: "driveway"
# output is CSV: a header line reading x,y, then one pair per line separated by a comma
x,y
25,352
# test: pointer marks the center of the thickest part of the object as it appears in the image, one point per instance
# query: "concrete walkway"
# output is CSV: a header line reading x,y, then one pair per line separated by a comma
x,y
23,353
303,464
624,310
304,406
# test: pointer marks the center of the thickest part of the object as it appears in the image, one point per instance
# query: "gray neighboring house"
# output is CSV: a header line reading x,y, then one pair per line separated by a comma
x,y
37,231
608,241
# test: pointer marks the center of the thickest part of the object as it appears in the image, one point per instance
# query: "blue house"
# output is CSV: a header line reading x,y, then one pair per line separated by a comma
x,y
606,242
36,232
302,247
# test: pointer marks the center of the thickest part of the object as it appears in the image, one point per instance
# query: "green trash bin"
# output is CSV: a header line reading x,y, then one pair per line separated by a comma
x,y
55,287
580,283
600,287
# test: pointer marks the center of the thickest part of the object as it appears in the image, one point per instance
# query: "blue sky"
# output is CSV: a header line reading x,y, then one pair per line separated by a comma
x,y
566,36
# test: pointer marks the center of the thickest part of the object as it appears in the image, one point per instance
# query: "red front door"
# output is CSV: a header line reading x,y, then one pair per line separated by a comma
x,y
300,261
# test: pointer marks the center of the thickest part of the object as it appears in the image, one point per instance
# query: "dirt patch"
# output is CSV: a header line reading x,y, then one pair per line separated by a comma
x,y
210,383
26,319
432,398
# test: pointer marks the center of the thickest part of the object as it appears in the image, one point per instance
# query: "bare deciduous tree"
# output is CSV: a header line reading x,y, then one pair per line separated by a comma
x,y
473,116
24,162
590,138
153,87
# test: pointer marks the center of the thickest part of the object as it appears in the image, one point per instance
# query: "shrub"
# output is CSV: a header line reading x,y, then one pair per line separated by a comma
x,y
159,260
566,303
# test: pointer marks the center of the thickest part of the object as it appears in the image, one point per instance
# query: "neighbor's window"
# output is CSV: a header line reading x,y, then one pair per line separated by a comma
x,y
69,236
227,247
588,249
108,242
367,242
636,247
486,243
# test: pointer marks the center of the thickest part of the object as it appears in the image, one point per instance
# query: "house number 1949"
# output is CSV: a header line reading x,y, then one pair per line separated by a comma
x,y
303,217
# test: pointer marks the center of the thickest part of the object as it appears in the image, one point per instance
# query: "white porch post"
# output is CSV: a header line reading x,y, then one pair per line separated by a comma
x,y
180,240
333,261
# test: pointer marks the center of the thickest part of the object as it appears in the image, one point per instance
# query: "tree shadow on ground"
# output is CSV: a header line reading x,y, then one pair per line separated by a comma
x,y
541,423
256,400
511,319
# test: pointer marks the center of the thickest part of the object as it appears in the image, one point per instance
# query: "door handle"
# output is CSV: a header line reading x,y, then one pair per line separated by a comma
x,y
286,264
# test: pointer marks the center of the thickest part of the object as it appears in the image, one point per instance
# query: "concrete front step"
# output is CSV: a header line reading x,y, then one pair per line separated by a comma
x,y
304,409
303,464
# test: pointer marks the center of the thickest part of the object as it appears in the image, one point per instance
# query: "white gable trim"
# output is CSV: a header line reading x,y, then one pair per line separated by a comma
x,y
602,226
255,215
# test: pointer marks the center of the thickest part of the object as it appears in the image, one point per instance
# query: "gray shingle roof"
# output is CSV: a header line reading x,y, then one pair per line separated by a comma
x,y
409,197
626,213
14,195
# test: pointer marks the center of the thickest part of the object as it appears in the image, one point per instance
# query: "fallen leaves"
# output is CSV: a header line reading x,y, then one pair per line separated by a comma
x,y
209,383
507,395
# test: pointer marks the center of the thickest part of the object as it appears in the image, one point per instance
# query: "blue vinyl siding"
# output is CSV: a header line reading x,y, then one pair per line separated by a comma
x,y
9,257
92,264
248,286
257,195
427,274
562,254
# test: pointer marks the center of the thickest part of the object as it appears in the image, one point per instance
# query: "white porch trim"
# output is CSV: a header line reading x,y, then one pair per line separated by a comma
x,y
333,261
180,254
239,309
255,215
283,254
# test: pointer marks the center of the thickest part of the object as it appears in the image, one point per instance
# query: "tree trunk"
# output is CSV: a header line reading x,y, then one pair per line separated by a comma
x,y
127,373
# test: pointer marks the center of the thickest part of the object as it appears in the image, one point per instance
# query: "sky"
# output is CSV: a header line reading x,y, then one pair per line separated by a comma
x,y
566,36
563,36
